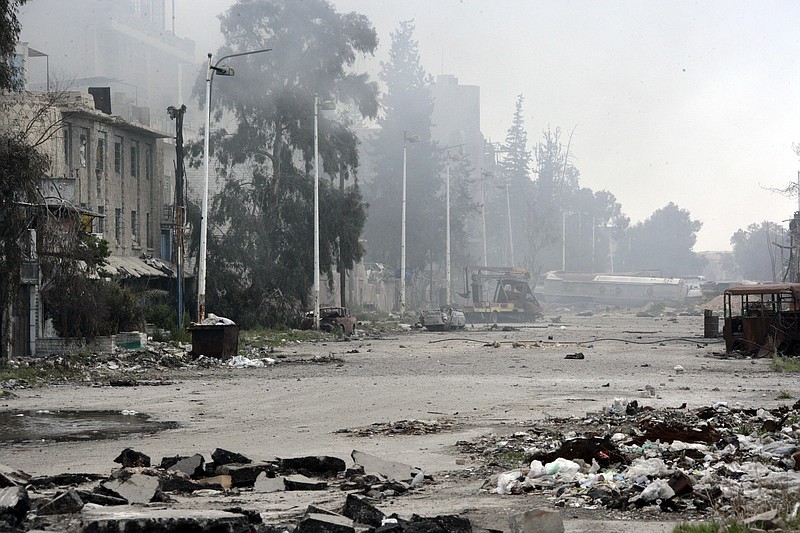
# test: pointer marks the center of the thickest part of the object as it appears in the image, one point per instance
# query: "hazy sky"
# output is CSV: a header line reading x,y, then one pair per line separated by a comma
x,y
693,102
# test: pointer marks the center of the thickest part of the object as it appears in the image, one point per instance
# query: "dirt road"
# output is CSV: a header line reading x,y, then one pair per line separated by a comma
x,y
480,380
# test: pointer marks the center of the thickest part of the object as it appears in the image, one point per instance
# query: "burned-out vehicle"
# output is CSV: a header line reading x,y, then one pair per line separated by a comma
x,y
333,319
443,319
762,319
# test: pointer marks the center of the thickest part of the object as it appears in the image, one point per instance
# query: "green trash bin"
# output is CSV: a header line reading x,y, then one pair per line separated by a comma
x,y
217,340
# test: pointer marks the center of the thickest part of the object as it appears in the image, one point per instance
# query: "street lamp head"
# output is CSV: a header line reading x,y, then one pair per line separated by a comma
x,y
327,105
410,138
224,70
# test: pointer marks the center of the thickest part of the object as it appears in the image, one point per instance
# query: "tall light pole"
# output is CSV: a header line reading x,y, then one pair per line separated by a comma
x,y
406,139
448,296
201,261
327,105
510,229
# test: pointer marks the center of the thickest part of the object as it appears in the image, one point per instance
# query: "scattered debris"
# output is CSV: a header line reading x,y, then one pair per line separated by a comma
x,y
577,355
629,457
403,427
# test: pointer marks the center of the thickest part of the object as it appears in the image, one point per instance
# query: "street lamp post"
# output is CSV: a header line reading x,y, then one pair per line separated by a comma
x,y
327,105
201,261
406,139
448,296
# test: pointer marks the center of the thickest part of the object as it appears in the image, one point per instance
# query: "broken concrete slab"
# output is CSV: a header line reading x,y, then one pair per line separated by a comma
x,y
244,475
225,457
193,466
223,482
97,498
136,489
325,523
268,484
319,465
130,458
10,477
359,510
537,521
14,504
68,502
120,520
388,469
301,482
436,524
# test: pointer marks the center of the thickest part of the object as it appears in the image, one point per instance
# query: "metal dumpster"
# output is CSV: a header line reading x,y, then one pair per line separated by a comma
x,y
217,340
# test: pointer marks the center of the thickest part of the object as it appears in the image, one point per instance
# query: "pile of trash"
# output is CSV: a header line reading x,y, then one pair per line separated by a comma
x,y
714,459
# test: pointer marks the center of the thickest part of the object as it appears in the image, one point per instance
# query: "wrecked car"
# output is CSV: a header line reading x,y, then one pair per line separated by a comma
x,y
762,319
332,319
443,319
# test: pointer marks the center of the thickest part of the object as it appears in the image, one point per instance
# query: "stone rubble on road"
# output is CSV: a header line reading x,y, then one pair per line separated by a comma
x,y
140,497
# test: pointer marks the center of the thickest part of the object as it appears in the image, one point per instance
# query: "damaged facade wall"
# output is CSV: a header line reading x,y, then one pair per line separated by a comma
x,y
100,164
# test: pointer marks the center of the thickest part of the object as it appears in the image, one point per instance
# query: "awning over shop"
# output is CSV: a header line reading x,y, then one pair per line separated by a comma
x,y
137,267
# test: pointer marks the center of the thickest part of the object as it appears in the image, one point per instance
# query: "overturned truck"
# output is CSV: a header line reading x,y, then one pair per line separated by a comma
x,y
762,319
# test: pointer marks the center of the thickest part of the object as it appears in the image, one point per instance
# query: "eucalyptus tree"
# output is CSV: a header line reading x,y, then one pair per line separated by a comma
x,y
261,222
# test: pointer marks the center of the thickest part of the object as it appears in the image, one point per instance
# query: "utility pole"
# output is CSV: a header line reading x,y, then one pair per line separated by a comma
x,y
176,114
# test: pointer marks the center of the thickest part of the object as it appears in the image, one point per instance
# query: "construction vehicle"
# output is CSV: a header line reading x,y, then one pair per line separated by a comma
x,y
513,299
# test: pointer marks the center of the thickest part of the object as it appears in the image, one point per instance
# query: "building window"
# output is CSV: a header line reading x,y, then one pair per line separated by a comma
x,y
118,155
135,160
118,224
134,228
101,220
82,149
68,149
100,157
148,162
148,237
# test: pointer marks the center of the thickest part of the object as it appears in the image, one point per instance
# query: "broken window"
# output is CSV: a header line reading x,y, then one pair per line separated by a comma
x,y
135,159
84,142
134,228
148,162
118,155
117,224
100,157
101,220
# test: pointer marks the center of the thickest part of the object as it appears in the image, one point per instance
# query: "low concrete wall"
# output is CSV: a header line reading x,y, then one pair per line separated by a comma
x,y
58,345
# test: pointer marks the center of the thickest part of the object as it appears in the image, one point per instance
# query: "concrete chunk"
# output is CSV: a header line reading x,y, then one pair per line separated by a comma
x,y
299,482
537,521
14,504
225,457
360,511
130,458
268,484
65,503
136,489
121,520
325,523
244,475
314,465
387,469
193,466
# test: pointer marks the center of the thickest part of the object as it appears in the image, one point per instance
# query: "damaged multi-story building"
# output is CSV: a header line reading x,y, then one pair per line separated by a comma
x,y
109,170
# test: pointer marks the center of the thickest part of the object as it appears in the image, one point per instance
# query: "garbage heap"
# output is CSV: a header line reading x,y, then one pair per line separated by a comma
x,y
710,460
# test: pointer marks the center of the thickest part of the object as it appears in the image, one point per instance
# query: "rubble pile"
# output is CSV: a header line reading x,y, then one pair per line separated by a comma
x,y
402,427
142,496
710,460
147,366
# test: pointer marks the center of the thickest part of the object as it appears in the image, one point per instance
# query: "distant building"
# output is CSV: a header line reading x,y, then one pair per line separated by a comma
x,y
121,44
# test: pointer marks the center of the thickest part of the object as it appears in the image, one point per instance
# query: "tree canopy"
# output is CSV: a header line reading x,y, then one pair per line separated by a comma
x,y
260,225
407,108
664,242
755,253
